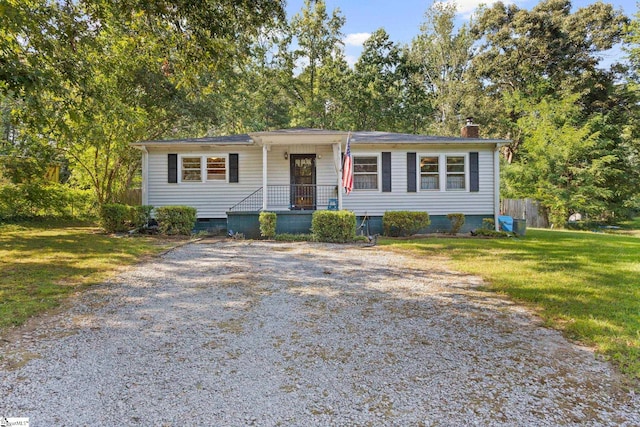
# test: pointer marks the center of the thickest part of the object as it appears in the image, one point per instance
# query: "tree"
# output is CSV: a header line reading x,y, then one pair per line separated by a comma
x,y
318,56
443,56
119,72
377,85
545,52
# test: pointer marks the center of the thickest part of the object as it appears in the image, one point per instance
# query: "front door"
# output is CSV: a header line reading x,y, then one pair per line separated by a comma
x,y
303,181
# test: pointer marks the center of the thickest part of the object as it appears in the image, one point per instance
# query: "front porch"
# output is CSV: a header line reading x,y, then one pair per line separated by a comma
x,y
293,197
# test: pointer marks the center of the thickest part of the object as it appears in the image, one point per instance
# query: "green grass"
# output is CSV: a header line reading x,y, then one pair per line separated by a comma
x,y
586,284
42,263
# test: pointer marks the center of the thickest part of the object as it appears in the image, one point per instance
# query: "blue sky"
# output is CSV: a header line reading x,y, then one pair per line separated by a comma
x,y
402,18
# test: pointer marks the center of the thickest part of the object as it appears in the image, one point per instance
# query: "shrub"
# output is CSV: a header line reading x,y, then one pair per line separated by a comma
x,y
176,219
114,217
268,224
333,226
288,237
457,221
491,233
140,216
42,199
404,223
488,224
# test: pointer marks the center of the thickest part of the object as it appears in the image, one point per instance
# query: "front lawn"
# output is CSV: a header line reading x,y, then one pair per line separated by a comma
x,y
41,263
586,284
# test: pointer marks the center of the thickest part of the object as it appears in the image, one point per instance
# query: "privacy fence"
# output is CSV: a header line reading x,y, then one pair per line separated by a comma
x,y
528,209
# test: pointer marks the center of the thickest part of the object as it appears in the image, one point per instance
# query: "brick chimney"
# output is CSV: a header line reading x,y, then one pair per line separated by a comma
x,y
470,130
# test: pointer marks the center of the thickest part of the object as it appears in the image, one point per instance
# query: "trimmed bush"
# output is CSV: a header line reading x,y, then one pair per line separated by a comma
x,y
488,224
404,223
176,219
114,217
333,226
140,216
483,232
457,221
288,237
268,224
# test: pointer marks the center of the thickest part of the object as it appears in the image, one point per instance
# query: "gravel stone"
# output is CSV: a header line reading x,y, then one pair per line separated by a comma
x,y
274,334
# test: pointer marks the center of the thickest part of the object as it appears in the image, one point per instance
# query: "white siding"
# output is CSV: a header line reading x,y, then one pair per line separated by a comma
x,y
213,199
439,202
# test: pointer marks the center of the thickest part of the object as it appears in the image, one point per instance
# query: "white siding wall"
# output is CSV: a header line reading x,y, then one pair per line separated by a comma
x,y
212,199
375,202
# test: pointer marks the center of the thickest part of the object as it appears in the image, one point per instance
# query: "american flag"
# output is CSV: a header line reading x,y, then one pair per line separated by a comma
x,y
347,168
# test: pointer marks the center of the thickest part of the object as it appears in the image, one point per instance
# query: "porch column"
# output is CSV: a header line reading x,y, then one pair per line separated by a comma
x,y
264,177
337,154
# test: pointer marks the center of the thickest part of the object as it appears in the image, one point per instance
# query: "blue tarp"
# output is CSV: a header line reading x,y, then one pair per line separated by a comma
x,y
505,222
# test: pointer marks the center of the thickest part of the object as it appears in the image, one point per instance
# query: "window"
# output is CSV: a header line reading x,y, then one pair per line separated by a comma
x,y
429,173
365,173
191,169
455,173
216,168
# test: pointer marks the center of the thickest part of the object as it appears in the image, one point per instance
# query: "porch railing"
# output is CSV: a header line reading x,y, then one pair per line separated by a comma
x,y
289,197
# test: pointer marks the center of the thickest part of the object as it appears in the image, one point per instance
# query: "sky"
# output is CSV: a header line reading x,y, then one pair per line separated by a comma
x,y
402,18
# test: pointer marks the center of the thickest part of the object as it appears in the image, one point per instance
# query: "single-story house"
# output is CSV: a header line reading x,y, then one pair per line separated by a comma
x,y
293,172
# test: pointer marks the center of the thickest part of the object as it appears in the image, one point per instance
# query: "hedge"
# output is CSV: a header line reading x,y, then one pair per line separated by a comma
x,y
176,219
333,226
404,223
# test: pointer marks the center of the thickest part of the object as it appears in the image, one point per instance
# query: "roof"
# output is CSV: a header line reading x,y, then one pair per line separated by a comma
x,y
331,136
242,139
408,138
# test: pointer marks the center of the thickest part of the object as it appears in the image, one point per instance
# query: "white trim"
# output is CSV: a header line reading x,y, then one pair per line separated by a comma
x,y
189,156
203,167
466,172
378,157
496,186
145,175
419,172
265,149
226,167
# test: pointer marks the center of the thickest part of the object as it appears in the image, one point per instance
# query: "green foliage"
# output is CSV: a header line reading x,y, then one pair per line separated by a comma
x,y
404,223
333,226
43,199
176,219
268,224
114,217
139,216
488,224
457,221
288,237
488,232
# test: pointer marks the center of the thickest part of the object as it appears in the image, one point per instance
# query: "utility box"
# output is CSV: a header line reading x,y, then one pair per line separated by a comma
x,y
520,226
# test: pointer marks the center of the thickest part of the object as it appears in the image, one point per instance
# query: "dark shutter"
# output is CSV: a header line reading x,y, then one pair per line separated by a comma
x,y
233,168
386,172
411,172
173,168
474,178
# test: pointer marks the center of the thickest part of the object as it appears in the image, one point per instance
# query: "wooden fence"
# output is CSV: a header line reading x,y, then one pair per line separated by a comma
x,y
528,209
131,197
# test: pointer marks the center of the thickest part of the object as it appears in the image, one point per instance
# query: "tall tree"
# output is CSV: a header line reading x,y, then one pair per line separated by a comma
x,y
547,51
377,84
319,54
442,55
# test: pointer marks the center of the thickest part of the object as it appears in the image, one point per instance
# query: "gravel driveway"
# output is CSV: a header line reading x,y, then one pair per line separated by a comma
x,y
256,333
